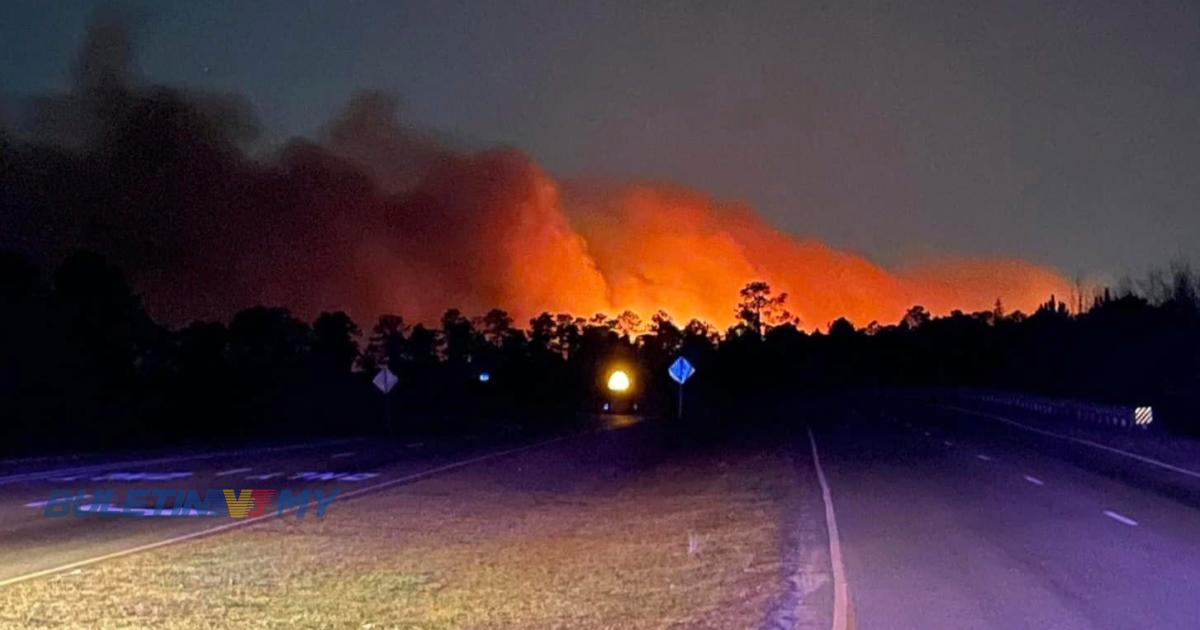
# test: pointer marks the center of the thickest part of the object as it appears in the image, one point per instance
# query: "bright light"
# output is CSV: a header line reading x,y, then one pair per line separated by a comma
x,y
484,377
618,381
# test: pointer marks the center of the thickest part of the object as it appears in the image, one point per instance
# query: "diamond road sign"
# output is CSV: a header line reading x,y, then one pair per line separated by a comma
x,y
385,380
681,370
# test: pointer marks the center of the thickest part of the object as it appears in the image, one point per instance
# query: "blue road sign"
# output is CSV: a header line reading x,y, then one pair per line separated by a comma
x,y
681,370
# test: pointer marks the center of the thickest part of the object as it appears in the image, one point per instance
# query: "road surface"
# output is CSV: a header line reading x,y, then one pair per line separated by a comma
x,y
950,519
32,543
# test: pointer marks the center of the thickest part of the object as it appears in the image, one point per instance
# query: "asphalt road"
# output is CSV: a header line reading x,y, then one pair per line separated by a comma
x,y
31,542
950,519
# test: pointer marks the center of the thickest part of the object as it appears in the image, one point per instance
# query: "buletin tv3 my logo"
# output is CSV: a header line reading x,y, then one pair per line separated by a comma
x,y
249,502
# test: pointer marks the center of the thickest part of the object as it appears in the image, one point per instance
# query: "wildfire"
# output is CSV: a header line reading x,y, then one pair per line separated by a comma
x,y
516,240
374,218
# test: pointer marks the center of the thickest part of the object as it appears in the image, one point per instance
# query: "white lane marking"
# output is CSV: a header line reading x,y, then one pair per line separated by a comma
x,y
96,468
928,434
141,476
947,442
233,471
340,455
1140,458
414,445
840,594
45,502
1034,480
255,519
983,458
264,476
358,476
1120,518
109,508
333,476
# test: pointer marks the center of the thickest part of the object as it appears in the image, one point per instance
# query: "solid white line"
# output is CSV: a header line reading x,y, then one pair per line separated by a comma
x,y
346,454
1140,458
840,589
255,519
1034,480
233,471
1120,518
983,458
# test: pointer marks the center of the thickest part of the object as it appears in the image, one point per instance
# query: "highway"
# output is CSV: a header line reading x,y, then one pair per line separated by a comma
x,y
34,545
952,519
947,516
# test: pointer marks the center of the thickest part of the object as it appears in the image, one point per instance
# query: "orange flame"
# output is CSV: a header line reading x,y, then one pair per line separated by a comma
x,y
494,229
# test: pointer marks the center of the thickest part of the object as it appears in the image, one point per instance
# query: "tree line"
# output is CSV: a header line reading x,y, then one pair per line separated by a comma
x,y
85,367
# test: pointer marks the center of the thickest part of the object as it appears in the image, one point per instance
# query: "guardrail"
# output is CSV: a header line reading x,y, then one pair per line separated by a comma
x,y
1110,415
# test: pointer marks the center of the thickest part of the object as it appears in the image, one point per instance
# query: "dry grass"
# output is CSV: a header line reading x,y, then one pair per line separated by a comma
x,y
675,545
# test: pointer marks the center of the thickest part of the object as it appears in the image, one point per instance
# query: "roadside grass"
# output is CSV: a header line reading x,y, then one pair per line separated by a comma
x,y
683,543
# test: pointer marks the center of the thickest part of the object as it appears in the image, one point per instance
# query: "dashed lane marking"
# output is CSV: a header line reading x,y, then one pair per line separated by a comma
x,y
233,471
45,502
1120,518
79,471
265,476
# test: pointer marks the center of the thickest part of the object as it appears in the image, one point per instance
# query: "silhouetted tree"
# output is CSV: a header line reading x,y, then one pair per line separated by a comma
x,y
758,310
335,342
915,318
458,335
496,326
386,345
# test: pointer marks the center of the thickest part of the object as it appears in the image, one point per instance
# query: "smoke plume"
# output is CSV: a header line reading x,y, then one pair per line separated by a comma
x,y
373,217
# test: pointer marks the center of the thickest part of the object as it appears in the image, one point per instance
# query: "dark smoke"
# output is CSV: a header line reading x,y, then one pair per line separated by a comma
x,y
377,217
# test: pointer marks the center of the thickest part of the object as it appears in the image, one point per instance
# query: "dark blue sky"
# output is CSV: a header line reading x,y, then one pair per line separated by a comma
x,y
1064,132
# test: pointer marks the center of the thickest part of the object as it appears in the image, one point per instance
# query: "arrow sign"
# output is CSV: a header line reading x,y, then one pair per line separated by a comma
x,y
681,370
385,380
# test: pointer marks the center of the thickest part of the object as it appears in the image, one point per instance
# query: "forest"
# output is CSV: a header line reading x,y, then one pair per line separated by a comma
x,y
83,366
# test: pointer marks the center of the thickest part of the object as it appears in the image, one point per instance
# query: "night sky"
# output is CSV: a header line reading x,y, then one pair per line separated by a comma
x,y
1065,133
